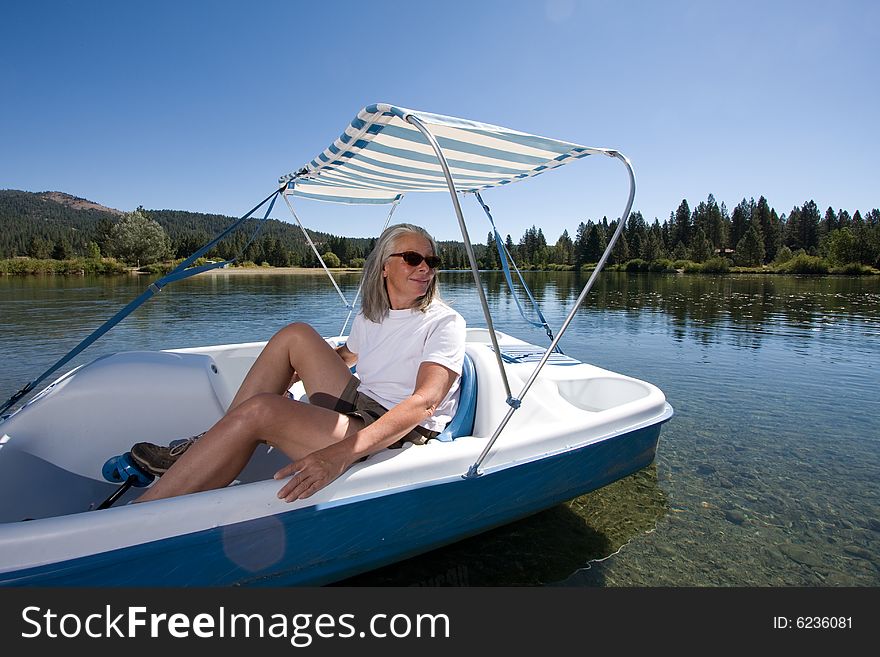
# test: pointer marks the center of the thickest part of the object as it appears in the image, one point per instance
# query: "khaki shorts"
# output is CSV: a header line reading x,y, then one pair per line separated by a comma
x,y
357,404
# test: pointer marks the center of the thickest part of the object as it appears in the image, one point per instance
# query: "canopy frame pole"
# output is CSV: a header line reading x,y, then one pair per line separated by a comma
x,y
361,284
474,470
468,248
315,249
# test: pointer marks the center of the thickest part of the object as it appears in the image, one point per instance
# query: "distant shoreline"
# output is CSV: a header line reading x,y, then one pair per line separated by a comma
x,y
803,265
275,271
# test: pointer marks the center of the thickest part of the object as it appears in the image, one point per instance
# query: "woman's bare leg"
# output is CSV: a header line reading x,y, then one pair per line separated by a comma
x,y
297,347
260,413
216,459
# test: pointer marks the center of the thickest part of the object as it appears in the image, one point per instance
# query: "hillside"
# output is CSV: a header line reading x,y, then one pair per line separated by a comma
x,y
76,202
56,218
58,225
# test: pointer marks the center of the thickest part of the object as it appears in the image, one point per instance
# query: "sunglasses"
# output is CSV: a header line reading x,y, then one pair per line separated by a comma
x,y
414,259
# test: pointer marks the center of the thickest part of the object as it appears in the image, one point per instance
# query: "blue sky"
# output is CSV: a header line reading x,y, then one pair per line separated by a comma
x,y
202,105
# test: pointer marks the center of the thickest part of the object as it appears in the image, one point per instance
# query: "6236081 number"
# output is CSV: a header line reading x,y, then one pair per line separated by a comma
x,y
813,623
823,622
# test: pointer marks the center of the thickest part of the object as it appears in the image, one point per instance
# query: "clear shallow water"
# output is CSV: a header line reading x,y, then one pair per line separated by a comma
x,y
766,476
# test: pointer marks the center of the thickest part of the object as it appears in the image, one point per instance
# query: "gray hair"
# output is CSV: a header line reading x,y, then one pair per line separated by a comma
x,y
374,300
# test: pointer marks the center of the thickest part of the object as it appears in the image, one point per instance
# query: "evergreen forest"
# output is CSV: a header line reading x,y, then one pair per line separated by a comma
x,y
709,237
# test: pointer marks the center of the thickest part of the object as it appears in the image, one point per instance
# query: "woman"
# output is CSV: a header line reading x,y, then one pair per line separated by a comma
x,y
409,348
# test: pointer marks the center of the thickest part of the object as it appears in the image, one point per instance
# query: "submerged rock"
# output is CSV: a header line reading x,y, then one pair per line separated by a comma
x,y
800,554
837,578
735,516
857,551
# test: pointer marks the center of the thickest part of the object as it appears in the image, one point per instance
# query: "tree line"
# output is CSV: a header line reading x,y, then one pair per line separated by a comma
x,y
751,235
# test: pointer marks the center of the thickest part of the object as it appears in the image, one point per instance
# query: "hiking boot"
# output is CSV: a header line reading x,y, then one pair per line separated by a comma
x,y
156,459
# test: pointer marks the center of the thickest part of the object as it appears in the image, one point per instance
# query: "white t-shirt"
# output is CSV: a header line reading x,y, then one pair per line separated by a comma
x,y
389,355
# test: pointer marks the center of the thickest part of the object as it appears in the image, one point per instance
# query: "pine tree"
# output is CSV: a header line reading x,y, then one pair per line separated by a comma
x,y
39,247
750,248
62,249
636,234
657,232
701,249
828,223
681,228
278,256
761,215
511,247
810,226
580,245
861,239
772,237
792,230
620,252
490,259
739,220
700,218
595,244
651,248
716,230
564,249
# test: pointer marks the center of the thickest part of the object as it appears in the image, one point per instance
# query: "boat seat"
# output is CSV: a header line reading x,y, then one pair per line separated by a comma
x,y
462,423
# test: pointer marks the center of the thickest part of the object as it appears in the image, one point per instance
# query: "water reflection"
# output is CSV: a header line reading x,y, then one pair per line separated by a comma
x,y
750,306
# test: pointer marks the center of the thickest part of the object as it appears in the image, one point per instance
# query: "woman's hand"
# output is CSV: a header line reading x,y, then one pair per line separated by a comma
x,y
310,474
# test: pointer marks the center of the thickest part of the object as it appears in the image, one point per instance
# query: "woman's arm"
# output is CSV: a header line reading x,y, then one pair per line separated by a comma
x,y
432,385
347,356
319,468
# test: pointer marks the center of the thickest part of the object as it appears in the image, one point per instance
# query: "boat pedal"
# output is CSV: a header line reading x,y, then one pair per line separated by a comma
x,y
121,469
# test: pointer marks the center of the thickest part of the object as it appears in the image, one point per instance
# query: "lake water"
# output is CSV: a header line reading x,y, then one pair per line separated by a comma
x,y
767,475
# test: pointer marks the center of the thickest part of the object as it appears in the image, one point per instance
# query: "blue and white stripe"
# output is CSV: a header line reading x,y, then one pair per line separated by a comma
x,y
381,156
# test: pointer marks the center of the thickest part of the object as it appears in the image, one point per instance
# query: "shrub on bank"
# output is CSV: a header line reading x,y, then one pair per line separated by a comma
x,y
662,266
156,268
804,264
72,267
715,266
853,269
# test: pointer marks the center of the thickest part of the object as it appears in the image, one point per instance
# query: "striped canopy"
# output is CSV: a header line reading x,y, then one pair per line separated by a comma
x,y
381,156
